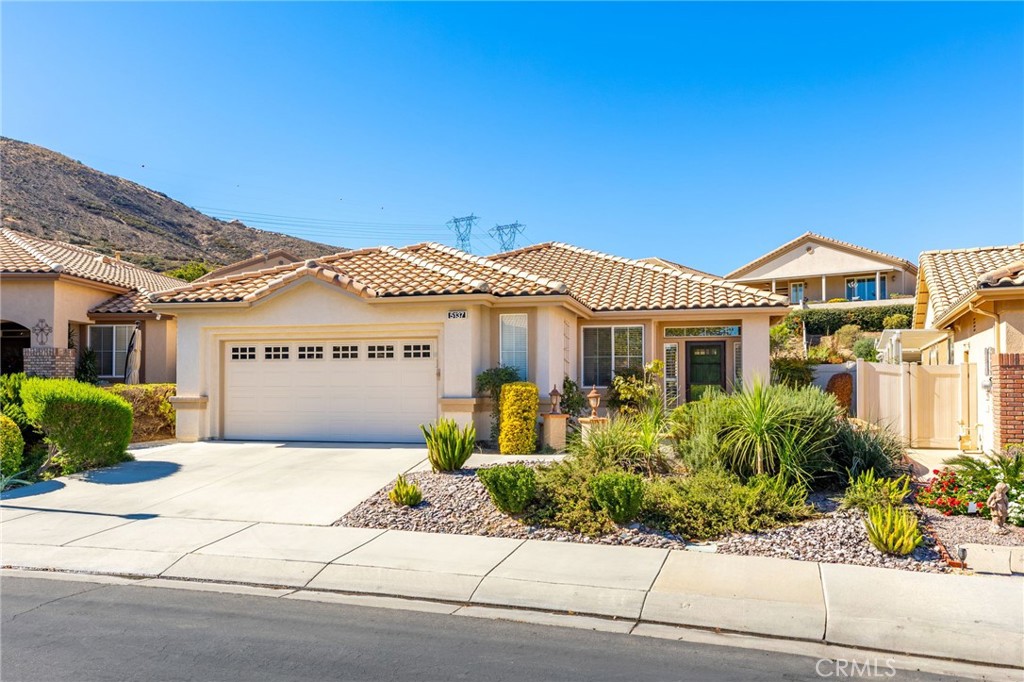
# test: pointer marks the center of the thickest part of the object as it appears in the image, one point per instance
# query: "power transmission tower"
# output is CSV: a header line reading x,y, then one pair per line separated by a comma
x,y
506,234
463,229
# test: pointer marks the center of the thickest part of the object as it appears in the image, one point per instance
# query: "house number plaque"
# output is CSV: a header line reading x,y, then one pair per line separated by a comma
x,y
456,314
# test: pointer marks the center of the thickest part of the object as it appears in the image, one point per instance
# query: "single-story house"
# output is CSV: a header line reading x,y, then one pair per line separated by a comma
x,y
366,345
259,261
816,269
972,302
56,298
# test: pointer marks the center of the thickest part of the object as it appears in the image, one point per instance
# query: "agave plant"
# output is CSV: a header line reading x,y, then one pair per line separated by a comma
x,y
448,446
405,493
13,480
893,530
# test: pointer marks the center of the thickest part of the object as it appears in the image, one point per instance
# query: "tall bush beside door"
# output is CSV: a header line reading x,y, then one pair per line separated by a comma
x,y
12,445
520,405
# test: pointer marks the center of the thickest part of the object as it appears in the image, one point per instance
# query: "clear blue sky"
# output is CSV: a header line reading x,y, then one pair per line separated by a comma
x,y
704,133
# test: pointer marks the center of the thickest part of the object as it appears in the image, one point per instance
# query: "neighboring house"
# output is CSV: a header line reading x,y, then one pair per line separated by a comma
x,y
257,262
366,345
813,268
57,297
971,301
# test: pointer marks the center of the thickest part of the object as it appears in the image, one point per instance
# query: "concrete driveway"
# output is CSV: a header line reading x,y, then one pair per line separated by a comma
x,y
291,483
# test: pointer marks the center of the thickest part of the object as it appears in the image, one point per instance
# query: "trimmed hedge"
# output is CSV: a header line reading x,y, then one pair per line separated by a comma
x,y
12,446
869,318
85,426
153,414
520,404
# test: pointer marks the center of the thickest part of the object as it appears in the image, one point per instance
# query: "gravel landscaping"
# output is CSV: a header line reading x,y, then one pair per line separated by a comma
x,y
458,503
961,529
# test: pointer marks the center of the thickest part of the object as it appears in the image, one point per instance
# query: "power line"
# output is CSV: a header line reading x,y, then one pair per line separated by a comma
x,y
506,234
463,229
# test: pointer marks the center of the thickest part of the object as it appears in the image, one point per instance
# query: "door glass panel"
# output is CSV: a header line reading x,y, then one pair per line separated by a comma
x,y
706,368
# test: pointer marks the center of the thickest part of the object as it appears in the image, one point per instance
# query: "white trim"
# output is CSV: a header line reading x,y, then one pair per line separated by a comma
x,y
613,327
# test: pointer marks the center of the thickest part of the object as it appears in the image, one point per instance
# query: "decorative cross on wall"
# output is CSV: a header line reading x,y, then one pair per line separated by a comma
x,y
42,332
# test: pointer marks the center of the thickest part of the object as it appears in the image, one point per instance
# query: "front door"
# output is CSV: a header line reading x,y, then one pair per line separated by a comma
x,y
705,367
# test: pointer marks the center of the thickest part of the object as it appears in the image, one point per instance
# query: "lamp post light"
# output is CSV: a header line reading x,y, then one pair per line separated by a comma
x,y
556,400
594,398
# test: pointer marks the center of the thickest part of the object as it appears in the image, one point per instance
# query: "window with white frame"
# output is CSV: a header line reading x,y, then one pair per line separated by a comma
x,y
609,350
513,342
110,343
796,292
863,288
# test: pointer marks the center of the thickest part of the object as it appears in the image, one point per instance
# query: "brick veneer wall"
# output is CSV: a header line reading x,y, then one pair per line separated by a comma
x,y
1008,398
50,362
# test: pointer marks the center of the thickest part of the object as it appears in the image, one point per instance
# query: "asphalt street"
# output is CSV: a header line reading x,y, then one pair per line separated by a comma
x,y
55,630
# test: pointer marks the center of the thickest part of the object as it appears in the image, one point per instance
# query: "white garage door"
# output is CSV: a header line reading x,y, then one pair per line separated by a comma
x,y
348,390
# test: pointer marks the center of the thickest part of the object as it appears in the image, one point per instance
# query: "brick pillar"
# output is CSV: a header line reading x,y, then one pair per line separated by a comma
x,y
43,361
1008,399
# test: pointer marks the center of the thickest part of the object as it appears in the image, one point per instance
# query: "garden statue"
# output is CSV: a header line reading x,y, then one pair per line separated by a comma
x,y
999,505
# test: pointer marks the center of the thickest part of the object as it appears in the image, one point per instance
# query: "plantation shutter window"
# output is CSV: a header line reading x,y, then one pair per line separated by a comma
x,y
514,340
110,344
737,356
609,350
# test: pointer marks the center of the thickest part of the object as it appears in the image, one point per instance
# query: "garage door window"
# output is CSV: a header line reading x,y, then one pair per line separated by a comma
x,y
416,350
275,352
311,352
345,352
380,352
243,352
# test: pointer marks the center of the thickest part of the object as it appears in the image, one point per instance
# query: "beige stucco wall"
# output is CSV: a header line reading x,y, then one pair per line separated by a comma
x,y
160,350
821,259
1011,313
58,302
972,334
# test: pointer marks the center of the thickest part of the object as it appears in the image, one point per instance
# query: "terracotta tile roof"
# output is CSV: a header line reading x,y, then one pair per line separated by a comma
x,y
952,275
254,263
656,260
811,236
22,253
596,280
132,302
604,282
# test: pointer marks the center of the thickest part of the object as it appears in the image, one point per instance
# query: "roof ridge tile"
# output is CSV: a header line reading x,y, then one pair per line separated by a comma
x,y
547,282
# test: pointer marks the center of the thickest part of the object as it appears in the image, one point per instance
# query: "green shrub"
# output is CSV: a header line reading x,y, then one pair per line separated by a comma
x,y
618,493
87,370
12,446
635,443
635,389
565,500
84,426
697,427
190,271
896,321
827,320
847,335
574,401
857,449
448,446
520,405
792,371
779,338
405,493
490,382
153,414
865,350
10,399
893,530
511,487
867,491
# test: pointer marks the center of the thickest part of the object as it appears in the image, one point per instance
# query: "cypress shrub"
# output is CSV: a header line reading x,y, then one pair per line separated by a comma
x,y
520,404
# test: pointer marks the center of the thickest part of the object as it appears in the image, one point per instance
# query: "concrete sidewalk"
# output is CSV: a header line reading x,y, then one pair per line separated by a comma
x,y
968,618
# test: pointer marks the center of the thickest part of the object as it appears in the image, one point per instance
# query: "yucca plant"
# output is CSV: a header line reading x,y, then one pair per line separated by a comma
x,y
893,530
448,446
405,493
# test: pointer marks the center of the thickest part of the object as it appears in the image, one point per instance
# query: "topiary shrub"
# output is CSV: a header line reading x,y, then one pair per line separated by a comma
x,y
12,446
896,321
151,408
520,404
448,446
511,487
841,386
865,350
405,493
84,426
619,493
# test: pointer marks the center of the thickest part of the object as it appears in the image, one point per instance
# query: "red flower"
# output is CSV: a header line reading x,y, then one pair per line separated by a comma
x,y
936,471
947,513
981,505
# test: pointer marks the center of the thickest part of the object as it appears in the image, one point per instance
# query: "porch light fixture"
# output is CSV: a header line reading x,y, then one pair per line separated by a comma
x,y
594,398
556,400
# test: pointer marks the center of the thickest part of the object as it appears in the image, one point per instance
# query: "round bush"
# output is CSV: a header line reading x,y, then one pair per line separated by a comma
x,y
88,427
619,493
12,446
896,321
511,487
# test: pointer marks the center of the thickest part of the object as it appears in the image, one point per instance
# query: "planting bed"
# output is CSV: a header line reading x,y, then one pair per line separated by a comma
x,y
962,529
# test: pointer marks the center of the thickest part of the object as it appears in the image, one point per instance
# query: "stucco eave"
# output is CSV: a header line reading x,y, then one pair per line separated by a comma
x,y
977,297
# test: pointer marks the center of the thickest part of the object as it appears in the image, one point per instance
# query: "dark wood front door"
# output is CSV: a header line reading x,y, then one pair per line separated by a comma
x,y
705,367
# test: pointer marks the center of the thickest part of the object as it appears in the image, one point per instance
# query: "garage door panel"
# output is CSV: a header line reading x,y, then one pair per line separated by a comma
x,y
328,398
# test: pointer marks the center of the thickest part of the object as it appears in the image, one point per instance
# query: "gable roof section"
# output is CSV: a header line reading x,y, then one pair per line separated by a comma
x,y
811,236
664,262
250,264
604,283
596,280
948,277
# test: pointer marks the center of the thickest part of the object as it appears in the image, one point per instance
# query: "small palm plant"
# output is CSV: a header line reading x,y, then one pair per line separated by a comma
x,y
448,446
405,493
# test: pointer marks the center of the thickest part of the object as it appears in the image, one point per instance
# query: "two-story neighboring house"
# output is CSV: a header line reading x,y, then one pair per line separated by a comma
x,y
813,268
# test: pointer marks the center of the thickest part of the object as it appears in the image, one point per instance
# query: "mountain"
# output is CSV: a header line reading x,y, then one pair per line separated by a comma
x,y
47,194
